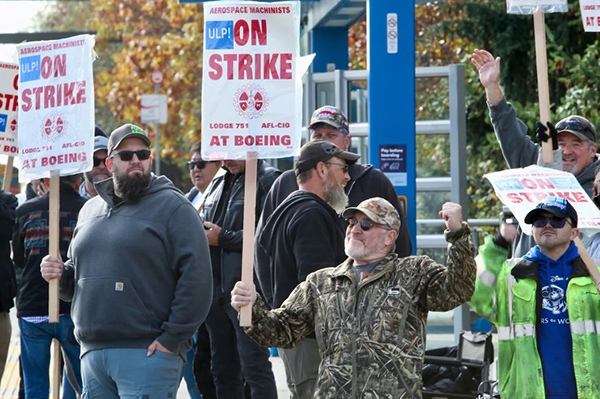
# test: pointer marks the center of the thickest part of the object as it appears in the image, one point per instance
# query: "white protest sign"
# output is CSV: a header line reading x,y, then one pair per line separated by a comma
x,y
522,189
9,95
56,107
154,108
251,96
590,15
530,6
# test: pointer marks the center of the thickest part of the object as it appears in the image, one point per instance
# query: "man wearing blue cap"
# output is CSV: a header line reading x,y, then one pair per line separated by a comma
x,y
545,307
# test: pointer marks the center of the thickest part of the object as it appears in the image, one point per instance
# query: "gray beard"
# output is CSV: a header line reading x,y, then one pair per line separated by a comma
x,y
336,198
131,188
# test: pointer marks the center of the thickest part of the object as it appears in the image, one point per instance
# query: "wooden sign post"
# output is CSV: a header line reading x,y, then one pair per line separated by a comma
x,y
8,174
539,28
248,235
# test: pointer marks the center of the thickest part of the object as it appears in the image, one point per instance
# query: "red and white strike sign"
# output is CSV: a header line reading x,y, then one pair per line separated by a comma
x,y
157,77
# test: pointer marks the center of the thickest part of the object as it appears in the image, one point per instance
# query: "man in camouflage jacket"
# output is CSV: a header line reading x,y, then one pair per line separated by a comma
x,y
370,312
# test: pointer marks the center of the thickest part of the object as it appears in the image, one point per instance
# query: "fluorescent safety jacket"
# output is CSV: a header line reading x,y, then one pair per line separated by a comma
x,y
508,294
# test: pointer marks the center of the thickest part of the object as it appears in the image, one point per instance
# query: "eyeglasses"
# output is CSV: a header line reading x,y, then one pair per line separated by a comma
x,y
596,200
343,165
365,224
128,155
556,222
572,124
97,162
196,164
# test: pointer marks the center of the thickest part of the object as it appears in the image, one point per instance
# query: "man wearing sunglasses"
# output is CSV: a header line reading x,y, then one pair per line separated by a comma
x,y
99,170
575,146
201,172
138,276
302,235
545,307
372,308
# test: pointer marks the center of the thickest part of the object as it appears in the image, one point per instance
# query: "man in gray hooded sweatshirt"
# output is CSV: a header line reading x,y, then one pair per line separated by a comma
x,y
138,274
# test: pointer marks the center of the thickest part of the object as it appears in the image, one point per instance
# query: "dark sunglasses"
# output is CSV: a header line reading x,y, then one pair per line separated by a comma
x,y
128,155
196,164
365,224
343,165
596,200
97,162
556,222
571,124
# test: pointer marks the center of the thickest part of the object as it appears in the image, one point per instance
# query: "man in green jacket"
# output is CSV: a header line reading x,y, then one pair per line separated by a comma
x,y
545,307
369,313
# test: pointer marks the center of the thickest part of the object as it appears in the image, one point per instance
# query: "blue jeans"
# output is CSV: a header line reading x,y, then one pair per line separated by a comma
x,y
128,373
35,355
188,372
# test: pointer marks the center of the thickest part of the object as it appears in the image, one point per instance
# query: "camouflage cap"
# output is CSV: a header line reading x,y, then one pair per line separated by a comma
x,y
125,132
378,210
331,116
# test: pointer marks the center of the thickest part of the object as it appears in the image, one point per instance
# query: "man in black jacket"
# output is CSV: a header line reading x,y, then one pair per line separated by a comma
x,y
305,234
330,124
223,215
8,287
30,245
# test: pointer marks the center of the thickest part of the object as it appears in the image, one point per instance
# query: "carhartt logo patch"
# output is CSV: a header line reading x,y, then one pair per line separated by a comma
x,y
393,291
119,286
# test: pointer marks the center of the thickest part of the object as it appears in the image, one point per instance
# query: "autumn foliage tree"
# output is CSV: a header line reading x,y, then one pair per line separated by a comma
x,y
133,39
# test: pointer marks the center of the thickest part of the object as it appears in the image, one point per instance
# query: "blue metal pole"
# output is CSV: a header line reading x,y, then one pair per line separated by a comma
x,y
391,67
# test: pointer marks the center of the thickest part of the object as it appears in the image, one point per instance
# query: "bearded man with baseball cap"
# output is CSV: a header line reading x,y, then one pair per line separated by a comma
x,y
372,308
302,235
545,306
329,123
138,276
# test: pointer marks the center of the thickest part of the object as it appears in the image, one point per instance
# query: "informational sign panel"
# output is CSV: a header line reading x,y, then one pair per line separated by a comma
x,y
9,102
56,106
392,33
530,6
392,162
154,108
251,91
590,15
521,189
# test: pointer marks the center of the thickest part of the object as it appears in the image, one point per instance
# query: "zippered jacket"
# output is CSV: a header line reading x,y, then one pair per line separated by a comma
x,y
372,337
508,294
229,271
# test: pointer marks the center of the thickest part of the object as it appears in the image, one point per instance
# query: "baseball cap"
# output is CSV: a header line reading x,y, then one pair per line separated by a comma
x,y
317,151
100,143
577,125
558,207
378,210
331,116
125,132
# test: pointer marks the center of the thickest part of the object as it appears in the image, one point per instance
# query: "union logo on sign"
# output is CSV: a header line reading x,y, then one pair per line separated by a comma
x,y
250,101
53,126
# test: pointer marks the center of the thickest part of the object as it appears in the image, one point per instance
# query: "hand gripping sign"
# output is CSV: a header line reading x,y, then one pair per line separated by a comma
x,y
56,121
522,189
251,95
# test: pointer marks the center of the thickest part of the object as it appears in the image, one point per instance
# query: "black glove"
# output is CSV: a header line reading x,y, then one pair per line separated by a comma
x,y
542,136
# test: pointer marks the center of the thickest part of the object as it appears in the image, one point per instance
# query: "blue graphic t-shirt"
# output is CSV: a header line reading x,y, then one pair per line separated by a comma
x,y
554,339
